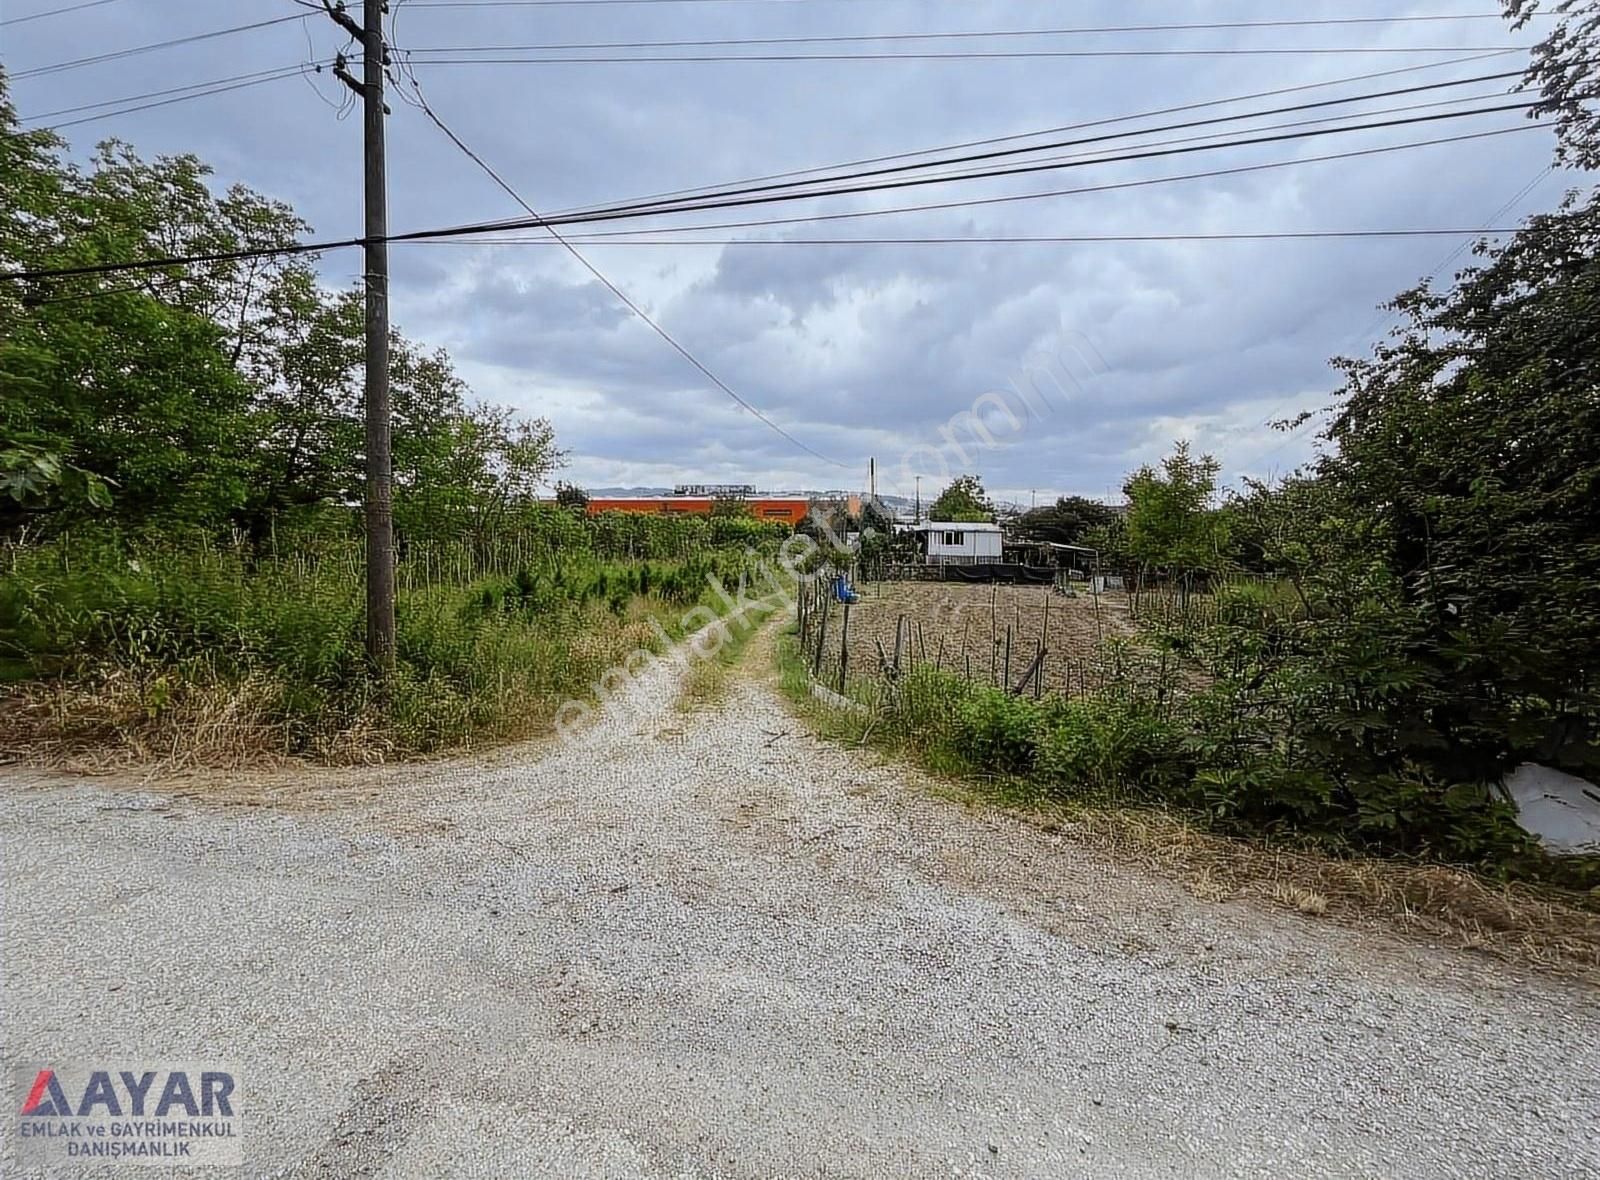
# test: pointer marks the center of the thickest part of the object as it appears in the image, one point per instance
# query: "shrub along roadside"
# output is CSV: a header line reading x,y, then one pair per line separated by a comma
x,y
1141,747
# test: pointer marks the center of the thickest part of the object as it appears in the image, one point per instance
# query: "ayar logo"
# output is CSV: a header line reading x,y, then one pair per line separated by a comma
x,y
172,1115
100,1095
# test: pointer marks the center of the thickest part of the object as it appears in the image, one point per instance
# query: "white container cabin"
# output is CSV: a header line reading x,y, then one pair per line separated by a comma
x,y
959,542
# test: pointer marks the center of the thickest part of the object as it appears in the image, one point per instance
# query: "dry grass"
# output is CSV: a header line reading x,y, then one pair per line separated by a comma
x,y
165,721
1298,897
1549,928
115,722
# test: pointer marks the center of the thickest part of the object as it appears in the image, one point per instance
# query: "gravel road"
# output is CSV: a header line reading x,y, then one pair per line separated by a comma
x,y
711,945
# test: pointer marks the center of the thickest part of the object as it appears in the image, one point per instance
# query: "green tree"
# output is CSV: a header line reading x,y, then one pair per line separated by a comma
x,y
1469,447
963,500
1066,521
1171,521
1565,71
570,495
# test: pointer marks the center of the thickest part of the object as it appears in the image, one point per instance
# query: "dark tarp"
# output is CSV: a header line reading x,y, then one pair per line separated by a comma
x,y
1039,575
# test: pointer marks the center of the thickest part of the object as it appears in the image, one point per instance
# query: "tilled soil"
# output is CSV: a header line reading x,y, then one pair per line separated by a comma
x,y
964,628
715,946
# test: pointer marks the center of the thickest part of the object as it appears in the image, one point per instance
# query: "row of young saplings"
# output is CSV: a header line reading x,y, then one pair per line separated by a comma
x,y
823,624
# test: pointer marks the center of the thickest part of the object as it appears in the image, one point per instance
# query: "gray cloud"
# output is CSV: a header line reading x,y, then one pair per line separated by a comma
x,y
864,350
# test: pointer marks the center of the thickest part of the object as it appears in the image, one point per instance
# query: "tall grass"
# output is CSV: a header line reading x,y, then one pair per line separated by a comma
x,y
197,650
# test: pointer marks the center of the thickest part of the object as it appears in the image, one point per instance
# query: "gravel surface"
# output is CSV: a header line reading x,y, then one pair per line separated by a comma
x,y
713,946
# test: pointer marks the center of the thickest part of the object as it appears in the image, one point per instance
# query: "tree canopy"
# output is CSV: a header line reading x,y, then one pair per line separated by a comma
x,y
1066,521
1170,519
963,500
213,394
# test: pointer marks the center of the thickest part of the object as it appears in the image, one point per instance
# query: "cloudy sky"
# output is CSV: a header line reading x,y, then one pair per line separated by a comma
x,y
865,349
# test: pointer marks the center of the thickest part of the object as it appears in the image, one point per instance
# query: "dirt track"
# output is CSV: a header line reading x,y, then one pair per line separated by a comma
x,y
713,946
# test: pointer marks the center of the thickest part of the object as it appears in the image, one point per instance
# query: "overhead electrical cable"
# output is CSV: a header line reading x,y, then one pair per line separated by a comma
x,y
212,86
1324,120
1104,122
152,47
482,228
1003,153
959,55
976,202
722,202
853,3
966,35
617,291
975,239
32,16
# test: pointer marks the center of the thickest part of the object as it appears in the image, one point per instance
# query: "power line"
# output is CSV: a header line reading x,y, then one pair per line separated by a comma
x,y
976,202
972,34
609,285
119,54
965,55
583,3
1105,122
20,20
260,75
1468,236
979,239
294,72
719,202
1213,135
1000,153
480,228
853,3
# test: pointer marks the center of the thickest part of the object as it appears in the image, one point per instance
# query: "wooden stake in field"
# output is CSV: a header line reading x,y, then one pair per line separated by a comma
x,y
822,638
844,646
1031,674
1007,678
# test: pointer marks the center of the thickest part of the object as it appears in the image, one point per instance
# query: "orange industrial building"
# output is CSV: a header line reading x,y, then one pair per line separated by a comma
x,y
788,509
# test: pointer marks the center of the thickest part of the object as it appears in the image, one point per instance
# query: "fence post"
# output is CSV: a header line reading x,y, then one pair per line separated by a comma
x,y
844,647
1006,679
822,638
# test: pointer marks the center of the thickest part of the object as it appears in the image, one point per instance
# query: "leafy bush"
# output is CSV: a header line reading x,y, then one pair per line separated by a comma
x,y
1103,747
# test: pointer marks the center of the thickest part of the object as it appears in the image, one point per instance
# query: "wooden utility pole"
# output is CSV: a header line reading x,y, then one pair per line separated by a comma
x,y
380,478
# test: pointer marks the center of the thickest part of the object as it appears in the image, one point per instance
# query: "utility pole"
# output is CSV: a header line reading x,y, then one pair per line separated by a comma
x,y
380,479
917,511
